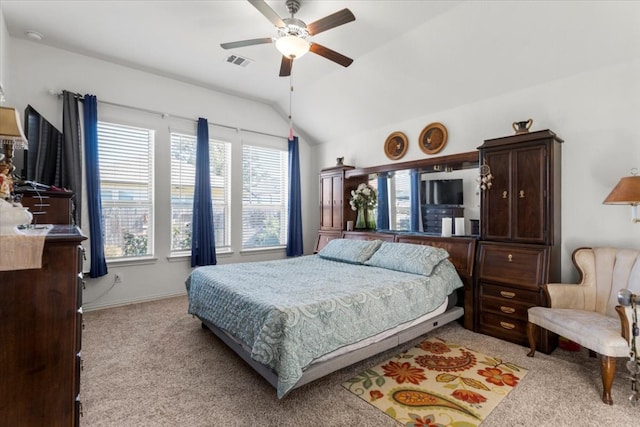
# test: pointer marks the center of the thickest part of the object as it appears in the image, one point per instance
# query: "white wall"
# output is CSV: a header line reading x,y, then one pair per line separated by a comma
x,y
596,113
34,70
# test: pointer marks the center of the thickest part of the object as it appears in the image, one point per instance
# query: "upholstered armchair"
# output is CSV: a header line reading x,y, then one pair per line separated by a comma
x,y
588,312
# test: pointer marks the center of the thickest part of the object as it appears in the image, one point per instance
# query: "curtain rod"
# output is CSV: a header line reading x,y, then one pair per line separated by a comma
x,y
80,97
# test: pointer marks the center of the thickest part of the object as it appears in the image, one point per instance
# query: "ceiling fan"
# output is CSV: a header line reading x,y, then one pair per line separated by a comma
x,y
293,35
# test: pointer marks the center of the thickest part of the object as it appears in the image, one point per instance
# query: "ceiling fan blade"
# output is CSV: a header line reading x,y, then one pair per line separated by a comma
x,y
269,13
285,66
244,43
331,55
331,21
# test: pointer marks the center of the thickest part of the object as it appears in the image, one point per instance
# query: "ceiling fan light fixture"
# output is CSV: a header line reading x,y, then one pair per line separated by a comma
x,y
292,46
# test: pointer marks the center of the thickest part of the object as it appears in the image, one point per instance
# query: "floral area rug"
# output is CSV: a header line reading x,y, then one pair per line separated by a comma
x,y
437,384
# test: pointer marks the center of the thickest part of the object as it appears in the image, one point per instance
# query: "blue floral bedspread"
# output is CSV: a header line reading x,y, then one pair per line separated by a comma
x,y
292,311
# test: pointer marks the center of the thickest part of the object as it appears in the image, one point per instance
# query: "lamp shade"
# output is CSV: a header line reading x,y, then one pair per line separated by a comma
x,y
292,46
10,129
627,192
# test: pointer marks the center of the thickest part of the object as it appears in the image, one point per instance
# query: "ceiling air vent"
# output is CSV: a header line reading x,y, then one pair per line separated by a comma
x,y
238,60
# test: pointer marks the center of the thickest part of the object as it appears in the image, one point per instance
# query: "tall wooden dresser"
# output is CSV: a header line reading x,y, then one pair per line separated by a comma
x,y
40,336
520,238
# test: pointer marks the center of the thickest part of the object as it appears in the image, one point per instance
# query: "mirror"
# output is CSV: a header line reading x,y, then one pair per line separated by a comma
x,y
446,188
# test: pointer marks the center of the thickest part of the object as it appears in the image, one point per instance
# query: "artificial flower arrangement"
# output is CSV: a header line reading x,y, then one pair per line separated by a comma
x,y
365,196
364,199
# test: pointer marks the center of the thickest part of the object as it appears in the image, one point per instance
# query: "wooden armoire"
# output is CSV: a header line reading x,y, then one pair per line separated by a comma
x,y
520,235
335,211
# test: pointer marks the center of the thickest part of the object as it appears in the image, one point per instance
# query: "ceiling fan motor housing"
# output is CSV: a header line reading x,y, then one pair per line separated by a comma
x,y
294,27
293,6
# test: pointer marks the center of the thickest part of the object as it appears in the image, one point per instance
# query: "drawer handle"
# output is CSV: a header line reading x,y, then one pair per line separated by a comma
x,y
504,194
508,310
522,194
508,294
507,325
510,258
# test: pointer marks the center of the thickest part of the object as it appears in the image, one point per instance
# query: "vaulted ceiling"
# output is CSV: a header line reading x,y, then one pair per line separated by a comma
x,y
411,58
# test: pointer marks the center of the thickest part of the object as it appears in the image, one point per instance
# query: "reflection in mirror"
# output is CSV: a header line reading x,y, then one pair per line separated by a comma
x,y
420,207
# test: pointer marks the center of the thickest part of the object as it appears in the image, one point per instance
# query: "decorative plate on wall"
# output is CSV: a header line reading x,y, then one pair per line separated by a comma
x,y
396,145
433,138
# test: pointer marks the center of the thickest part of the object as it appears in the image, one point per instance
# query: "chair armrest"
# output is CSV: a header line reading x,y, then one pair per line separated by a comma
x,y
565,295
626,322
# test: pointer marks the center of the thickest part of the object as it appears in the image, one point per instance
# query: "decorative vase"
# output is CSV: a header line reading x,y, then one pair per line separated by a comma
x,y
522,127
361,219
371,219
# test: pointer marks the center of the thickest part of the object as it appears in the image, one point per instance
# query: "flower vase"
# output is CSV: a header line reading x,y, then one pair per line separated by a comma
x,y
361,219
371,220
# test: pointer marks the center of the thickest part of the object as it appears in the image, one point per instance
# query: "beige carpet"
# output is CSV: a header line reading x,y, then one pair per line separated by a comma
x,y
151,364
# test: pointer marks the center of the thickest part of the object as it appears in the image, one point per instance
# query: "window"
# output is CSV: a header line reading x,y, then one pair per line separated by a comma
x,y
402,217
183,177
126,183
265,182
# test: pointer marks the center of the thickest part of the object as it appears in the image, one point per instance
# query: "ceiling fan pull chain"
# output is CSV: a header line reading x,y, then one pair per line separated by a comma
x,y
290,107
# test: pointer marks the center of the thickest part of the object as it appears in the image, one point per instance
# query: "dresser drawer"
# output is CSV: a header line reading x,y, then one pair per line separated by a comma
x,y
513,264
503,327
509,309
506,294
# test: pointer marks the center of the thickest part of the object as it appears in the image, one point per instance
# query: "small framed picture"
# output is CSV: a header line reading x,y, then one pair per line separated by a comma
x,y
433,138
396,145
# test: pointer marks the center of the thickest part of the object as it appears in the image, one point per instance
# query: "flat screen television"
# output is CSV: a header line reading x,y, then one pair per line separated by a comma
x,y
443,192
41,161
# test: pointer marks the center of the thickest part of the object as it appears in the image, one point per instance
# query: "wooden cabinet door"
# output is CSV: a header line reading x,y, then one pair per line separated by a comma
x,y
331,203
336,212
326,202
516,203
496,211
529,195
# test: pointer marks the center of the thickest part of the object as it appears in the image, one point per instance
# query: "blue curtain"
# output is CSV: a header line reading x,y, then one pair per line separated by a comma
x,y
94,198
383,202
415,200
294,241
203,244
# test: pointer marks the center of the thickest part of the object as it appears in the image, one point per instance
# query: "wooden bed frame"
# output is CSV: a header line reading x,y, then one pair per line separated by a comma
x,y
462,254
321,369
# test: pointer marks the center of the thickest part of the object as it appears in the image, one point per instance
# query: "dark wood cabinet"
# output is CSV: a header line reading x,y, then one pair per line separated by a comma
x,y
335,211
48,207
334,199
520,234
523,203
40,332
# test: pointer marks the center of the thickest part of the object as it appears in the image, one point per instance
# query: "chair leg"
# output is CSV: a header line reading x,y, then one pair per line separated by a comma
x,y
531,334
608,368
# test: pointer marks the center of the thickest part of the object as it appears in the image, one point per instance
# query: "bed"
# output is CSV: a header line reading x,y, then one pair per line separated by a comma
x,y
296,320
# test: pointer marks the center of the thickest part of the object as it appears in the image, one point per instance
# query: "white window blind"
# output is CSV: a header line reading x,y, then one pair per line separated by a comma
x,y
126,182
183,175
402,182
265,181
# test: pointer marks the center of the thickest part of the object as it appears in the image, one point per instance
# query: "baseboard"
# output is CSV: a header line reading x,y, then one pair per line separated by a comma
x,y
92,307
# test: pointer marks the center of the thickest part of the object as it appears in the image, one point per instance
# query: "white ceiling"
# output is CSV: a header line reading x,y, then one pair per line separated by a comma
x,y
411,58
